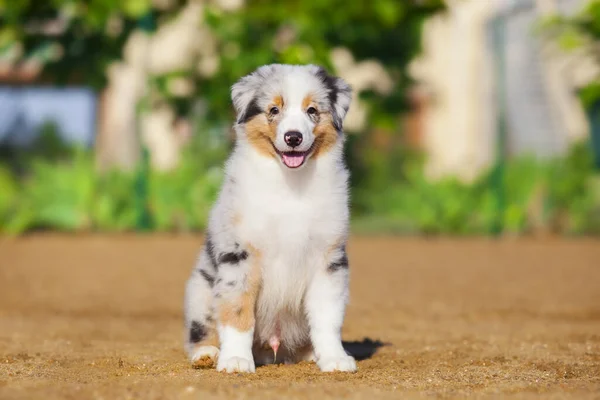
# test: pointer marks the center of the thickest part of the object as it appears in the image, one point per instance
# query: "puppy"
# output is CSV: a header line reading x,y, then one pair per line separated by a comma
x,y
271,283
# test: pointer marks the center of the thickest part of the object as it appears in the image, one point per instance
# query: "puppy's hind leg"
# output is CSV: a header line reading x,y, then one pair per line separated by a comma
x,y
200,334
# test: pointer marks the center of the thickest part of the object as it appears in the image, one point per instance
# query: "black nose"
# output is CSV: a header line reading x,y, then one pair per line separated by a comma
x,y
293,138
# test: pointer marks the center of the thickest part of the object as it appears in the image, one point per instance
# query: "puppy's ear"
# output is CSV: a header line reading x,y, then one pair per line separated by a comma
x,y
244,94
340,96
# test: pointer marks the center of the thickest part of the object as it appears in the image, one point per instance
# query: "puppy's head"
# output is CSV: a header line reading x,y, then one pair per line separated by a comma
x,y
291,113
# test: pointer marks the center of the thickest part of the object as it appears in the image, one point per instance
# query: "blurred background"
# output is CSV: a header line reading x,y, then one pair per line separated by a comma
x,y
470,117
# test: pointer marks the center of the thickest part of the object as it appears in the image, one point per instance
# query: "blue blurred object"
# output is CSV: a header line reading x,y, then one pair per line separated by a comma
x,y
25,110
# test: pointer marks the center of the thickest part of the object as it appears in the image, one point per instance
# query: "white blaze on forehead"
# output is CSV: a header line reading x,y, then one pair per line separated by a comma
x,y
295,85
299,84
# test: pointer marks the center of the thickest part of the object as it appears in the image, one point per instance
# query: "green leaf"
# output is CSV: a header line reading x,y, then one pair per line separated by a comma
x,y
136,8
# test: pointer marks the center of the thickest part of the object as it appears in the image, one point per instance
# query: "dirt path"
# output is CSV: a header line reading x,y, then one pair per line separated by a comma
x,y
100,317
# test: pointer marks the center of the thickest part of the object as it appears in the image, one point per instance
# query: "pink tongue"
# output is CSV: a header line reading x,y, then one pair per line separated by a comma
x,y
293,160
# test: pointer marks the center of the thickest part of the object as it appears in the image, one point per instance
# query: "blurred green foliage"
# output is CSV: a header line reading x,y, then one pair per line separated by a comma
x,y
299,32
59,188
76,40
580,32
71,40
67,194
559,196
580,35
94,32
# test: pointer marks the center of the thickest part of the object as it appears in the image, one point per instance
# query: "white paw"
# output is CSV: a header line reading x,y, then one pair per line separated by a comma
x,y
343,363
204,356
235,364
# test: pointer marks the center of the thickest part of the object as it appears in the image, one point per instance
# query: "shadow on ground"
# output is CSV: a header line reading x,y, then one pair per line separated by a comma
x,y
362,350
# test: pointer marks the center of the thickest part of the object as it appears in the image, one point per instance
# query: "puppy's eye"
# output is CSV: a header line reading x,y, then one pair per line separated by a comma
x,y
311,111
274,111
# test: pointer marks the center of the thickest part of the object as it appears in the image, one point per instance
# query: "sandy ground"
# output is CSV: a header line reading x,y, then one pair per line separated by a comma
x,y
100,317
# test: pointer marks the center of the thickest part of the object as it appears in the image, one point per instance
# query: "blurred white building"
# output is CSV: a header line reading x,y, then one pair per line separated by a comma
x,y
482,51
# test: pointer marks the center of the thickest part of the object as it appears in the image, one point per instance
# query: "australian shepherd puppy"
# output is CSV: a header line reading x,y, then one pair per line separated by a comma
x,y
271,283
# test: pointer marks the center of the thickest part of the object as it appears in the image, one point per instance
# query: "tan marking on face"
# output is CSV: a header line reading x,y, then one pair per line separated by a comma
x,y
307,102
262,129
278,101
236,219
239,313
325,135
261,134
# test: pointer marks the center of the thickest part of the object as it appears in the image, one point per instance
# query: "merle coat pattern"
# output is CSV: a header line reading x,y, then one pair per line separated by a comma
x,y
273,274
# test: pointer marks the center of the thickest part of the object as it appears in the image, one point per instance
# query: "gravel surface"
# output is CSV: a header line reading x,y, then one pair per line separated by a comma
x,y
101,317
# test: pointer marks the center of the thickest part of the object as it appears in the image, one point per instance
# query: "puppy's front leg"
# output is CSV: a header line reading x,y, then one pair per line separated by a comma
x,y
236,290
325,305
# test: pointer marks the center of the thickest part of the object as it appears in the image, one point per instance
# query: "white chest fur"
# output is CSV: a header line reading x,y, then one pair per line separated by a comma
x,y
293,218
290,214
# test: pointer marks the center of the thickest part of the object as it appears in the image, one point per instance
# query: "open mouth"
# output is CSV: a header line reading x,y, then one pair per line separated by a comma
x,y
294,159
